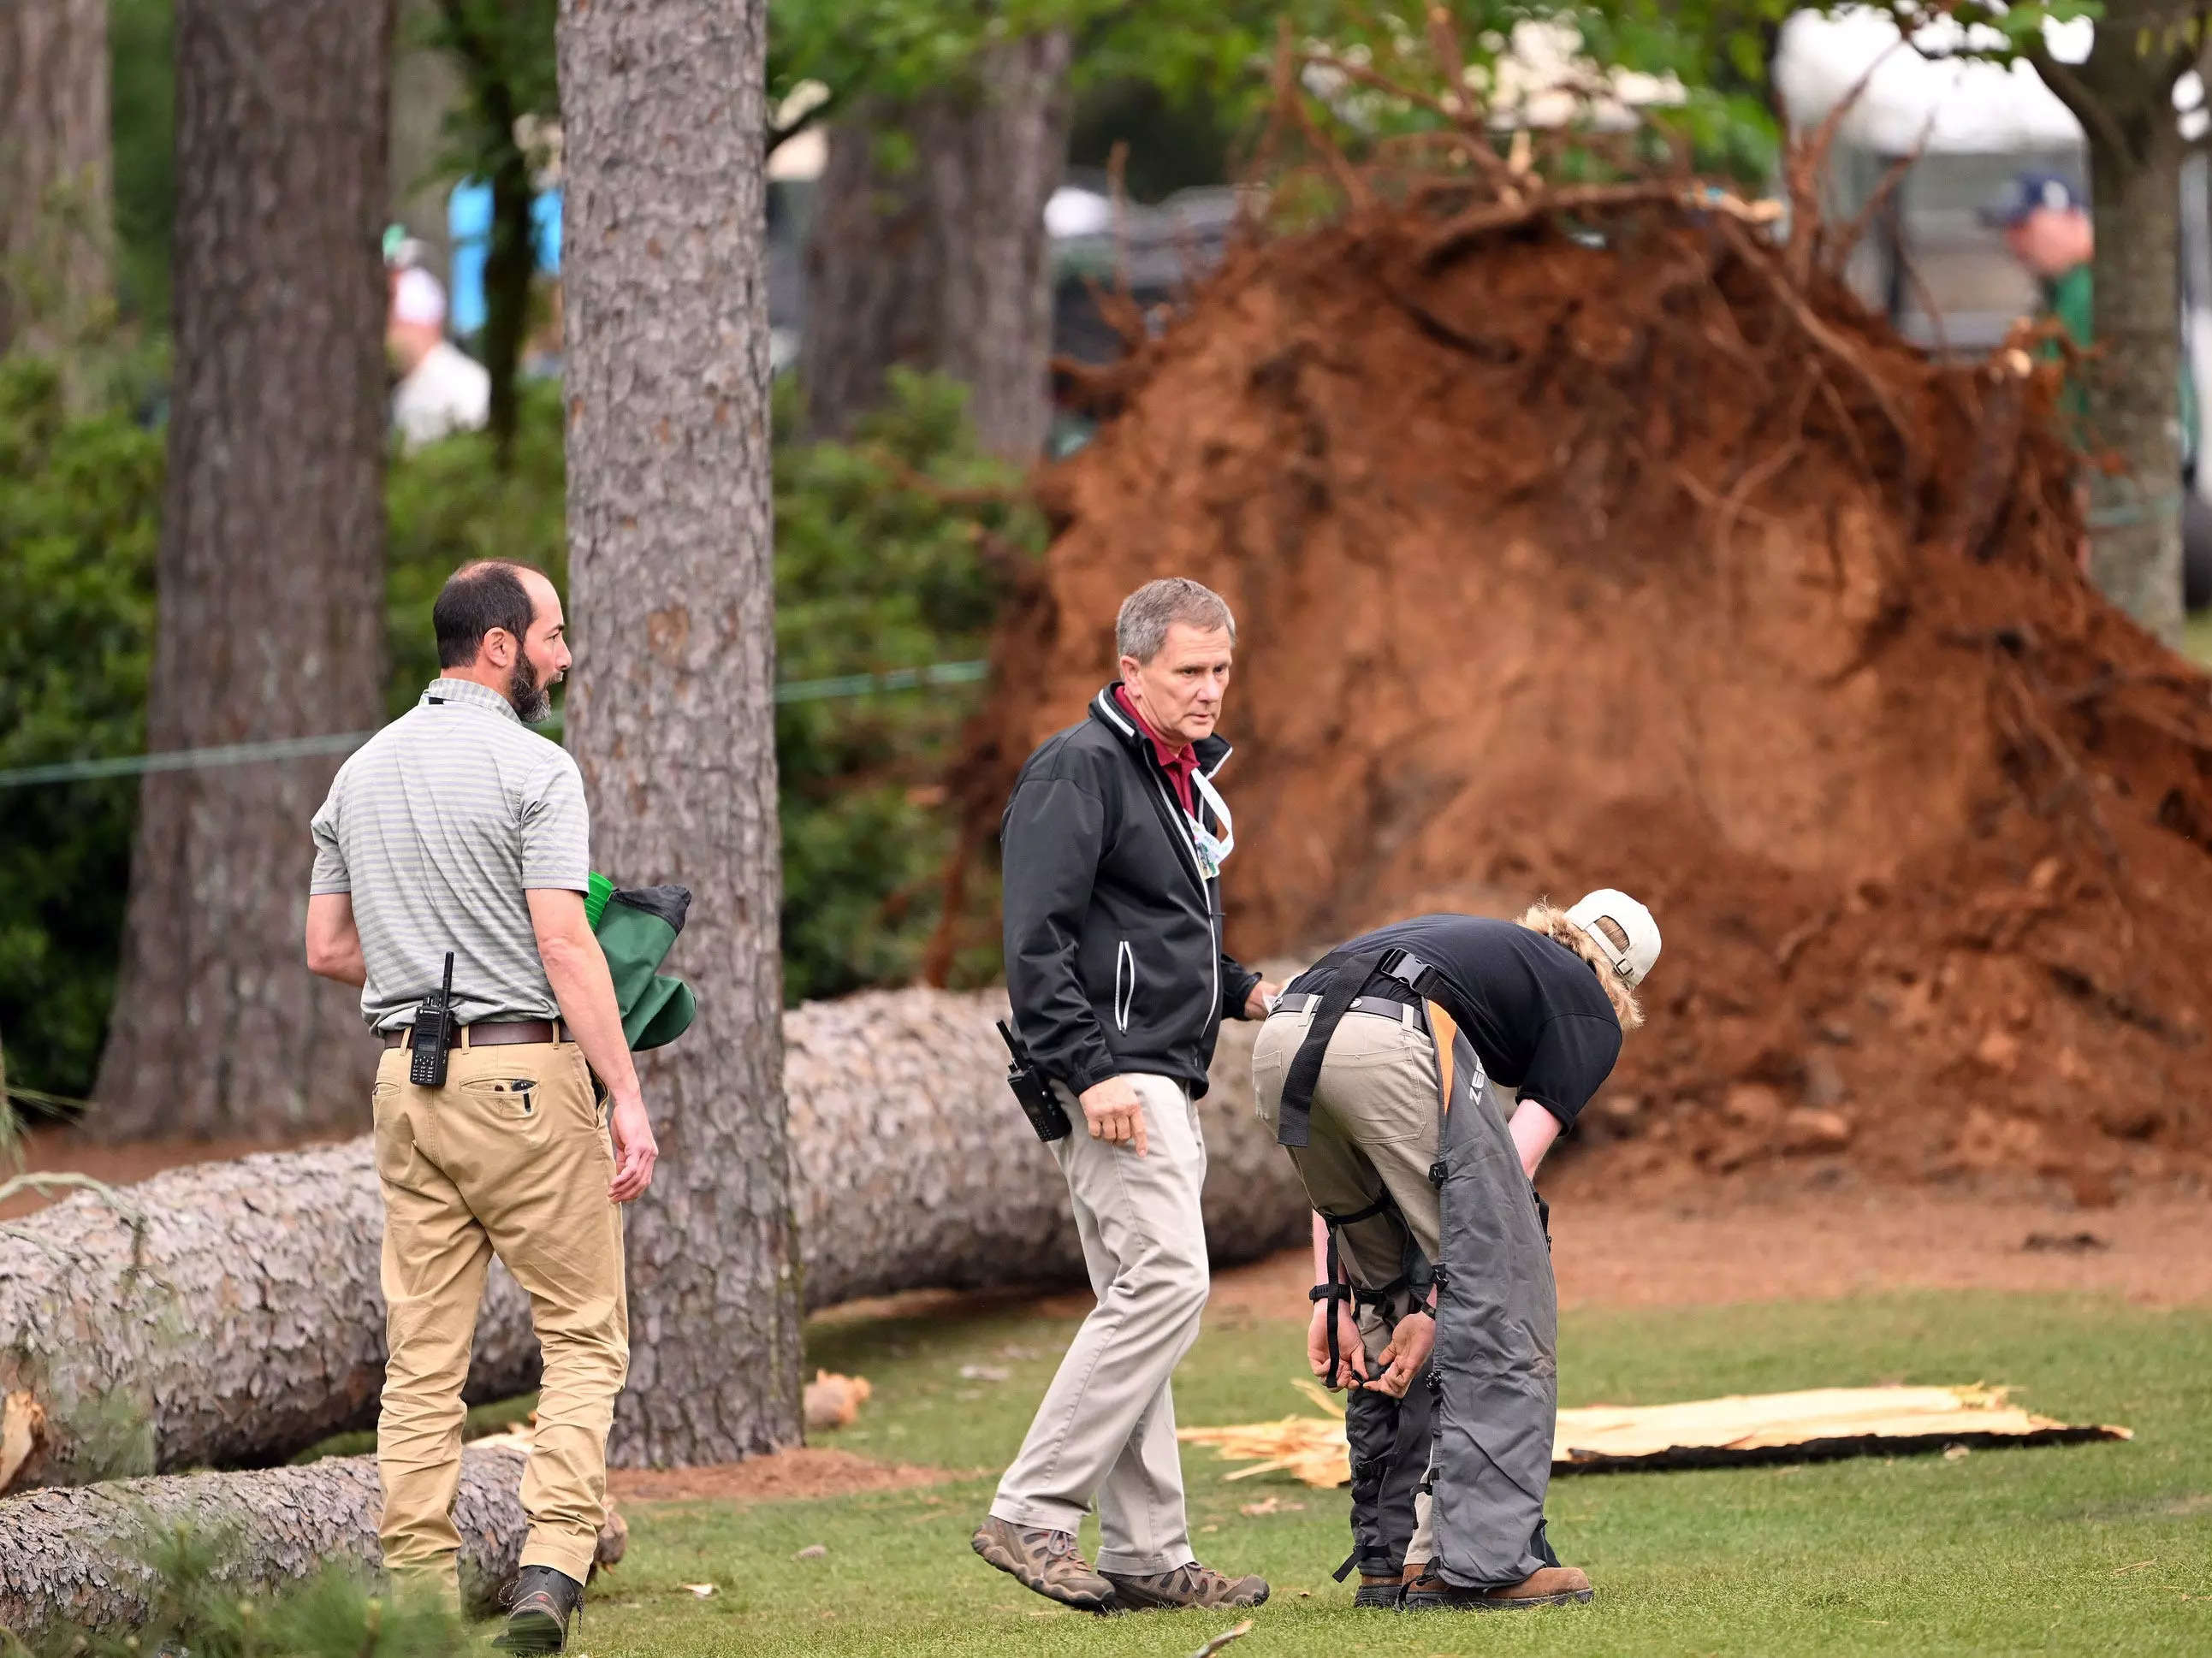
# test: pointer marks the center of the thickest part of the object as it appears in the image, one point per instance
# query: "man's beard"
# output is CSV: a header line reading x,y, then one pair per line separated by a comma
x,y
532,699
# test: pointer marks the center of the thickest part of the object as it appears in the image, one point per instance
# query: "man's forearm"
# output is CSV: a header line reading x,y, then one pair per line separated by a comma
x,y
585,992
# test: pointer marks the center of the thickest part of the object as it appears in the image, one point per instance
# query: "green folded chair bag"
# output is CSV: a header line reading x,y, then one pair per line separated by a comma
x,y
636,928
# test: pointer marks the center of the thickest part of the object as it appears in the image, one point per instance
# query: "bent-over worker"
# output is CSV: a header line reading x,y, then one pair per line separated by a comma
x,y
1380,1070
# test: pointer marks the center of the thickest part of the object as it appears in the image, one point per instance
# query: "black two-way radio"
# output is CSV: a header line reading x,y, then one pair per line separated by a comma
x,y
1033,1092
433,1034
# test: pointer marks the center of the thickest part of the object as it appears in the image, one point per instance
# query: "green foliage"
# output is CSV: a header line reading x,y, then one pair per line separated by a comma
x,y
79,515
140,99
196,1610
883,560
880,563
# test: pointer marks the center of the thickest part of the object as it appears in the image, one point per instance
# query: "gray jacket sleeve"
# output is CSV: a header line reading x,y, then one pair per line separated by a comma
x,y
1051,843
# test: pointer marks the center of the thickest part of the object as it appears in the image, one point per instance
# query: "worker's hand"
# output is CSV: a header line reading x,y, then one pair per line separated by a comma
x,y
1261,999
1410,1344
1115,1112
1350,1355
635,1151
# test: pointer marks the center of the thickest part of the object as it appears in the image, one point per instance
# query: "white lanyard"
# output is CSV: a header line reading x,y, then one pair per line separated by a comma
x,y
1212,850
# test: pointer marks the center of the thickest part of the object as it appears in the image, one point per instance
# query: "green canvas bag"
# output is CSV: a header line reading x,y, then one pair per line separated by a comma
x,y
636,928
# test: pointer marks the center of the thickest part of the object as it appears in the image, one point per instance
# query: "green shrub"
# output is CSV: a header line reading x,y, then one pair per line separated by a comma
x,y
80,512
881,563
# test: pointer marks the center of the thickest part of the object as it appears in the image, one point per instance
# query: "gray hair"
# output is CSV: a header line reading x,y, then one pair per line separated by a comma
x,y
1141,628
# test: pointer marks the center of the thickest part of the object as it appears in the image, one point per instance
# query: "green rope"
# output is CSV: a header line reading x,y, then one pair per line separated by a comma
x,y
294,748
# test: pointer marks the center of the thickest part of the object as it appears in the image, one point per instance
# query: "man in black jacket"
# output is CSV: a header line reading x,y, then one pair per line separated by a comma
x,y
1113,846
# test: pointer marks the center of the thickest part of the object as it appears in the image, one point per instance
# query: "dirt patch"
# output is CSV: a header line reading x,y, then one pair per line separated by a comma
x,y
1658,562
52,1150
788,1476
1609,1254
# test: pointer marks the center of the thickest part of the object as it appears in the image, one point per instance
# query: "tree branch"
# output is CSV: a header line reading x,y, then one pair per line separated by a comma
x,y
2071,90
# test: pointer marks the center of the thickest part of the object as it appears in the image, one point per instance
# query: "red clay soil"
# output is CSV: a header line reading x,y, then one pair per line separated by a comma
x,y
1719,1247
813,1471
50,1150
1658,565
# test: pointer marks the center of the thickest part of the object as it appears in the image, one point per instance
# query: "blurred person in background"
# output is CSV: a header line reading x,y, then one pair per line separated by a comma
x,y
441,388
2046,224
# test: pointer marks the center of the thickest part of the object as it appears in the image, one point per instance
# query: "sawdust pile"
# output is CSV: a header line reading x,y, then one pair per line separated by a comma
x,y
1658,563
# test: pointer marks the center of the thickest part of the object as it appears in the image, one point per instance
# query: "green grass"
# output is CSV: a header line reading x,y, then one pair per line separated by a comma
x,y
2089,1549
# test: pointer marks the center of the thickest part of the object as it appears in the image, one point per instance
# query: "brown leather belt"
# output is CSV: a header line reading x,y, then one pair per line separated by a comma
x,y
500,1033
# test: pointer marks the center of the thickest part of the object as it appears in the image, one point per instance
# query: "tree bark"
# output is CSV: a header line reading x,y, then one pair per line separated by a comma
x,y
56,193
271,567
79,1556
253,1325
936,256
671,711
2124,98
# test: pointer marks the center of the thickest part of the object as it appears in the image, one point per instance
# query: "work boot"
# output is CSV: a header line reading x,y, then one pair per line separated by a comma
x,y
1380,1592
538,1617
1548,1586
1046,1561
1193,1585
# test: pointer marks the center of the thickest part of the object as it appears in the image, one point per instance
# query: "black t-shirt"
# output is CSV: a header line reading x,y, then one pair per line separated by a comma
x,y
1534,1010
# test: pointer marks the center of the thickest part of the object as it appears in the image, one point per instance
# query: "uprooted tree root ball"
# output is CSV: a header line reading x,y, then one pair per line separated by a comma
x,y
1649,558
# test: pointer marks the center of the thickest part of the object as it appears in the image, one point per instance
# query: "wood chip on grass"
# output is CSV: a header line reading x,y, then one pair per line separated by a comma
x,y
1817,1424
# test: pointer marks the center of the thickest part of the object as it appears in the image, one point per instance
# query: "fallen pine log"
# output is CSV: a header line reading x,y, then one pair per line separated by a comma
x,y
229,1314
81,1557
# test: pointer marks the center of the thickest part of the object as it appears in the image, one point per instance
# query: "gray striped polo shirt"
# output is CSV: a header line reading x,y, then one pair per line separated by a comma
x,y
438,826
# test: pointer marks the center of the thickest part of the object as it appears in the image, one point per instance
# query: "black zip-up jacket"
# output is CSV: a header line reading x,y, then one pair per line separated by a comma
x,y
1113,957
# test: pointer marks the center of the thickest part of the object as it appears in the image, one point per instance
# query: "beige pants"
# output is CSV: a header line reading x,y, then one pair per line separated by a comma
x,y
511,1158
1105,1433
1373,1129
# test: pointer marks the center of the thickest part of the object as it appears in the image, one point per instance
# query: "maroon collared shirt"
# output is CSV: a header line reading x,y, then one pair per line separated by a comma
x,y
1181,764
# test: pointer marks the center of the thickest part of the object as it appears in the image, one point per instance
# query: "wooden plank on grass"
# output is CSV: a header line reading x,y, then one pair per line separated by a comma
x,y
1817,1424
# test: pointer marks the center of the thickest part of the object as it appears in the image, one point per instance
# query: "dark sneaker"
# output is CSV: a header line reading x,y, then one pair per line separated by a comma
x,y
1046,1561
1552,1586
538,1617
1379,1592
1193,1585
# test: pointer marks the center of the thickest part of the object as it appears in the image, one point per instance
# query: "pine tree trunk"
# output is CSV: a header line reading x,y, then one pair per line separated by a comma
x,y
938,258
670,712
253,1324
271,569
2135,518
80,1558
56,199
2124,98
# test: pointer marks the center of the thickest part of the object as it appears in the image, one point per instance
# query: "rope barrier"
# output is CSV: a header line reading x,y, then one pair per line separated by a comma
x,y
294,748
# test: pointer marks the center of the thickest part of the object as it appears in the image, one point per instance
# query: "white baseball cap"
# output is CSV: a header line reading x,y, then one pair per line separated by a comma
x,y
1632,958
416,297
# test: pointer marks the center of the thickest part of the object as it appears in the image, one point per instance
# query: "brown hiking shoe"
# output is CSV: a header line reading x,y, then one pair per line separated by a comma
x,y
1378,1591
1193,1585
1046,1561
1549,1585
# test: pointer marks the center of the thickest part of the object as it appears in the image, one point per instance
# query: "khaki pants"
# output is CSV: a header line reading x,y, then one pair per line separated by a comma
x,y
1106,1429
511,1158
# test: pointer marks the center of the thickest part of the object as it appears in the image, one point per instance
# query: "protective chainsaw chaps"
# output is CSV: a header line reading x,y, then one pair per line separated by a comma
x,y
1495,1359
